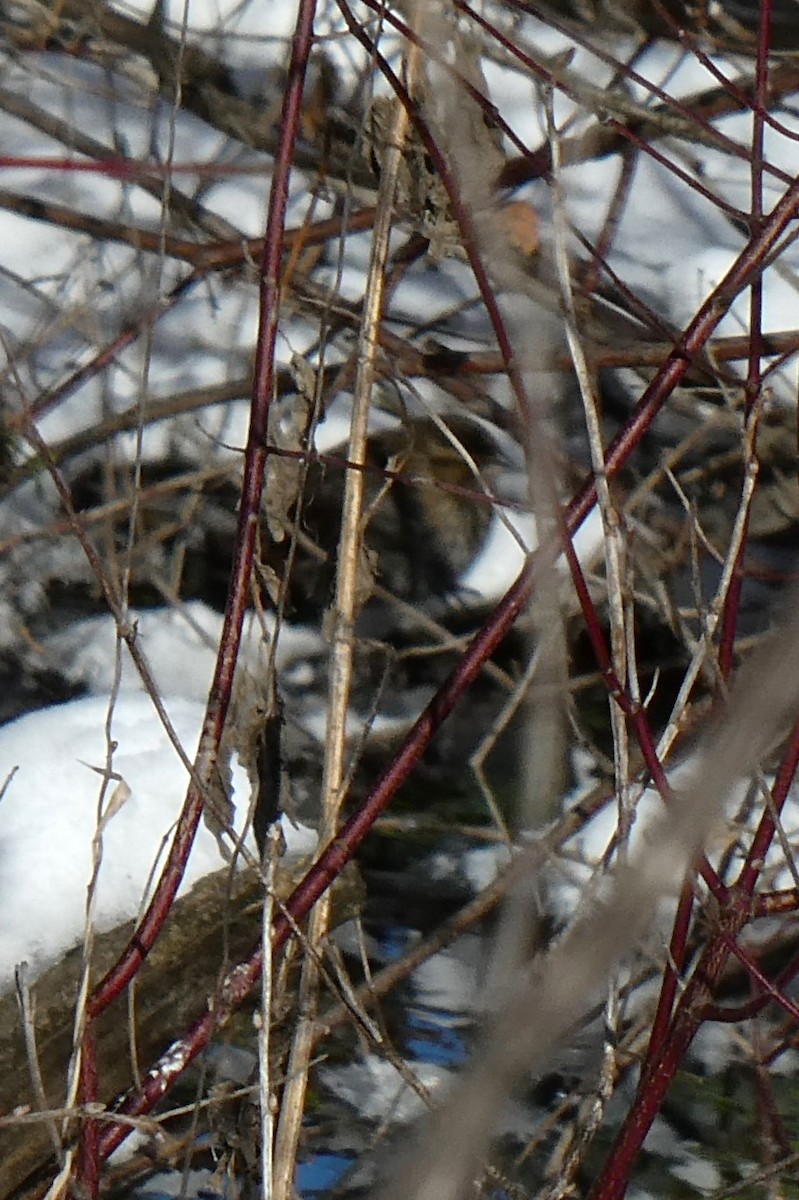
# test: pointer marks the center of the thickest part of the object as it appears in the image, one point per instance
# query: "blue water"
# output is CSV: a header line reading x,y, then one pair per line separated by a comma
x,y
437,1042
317,1174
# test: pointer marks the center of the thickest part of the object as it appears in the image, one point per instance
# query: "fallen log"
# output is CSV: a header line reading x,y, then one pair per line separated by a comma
x,y
210,929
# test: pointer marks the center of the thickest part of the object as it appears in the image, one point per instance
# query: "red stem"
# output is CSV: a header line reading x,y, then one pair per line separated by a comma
x,y
87,1172
656,1079
766,991
671,976
252,485
242,978
786,772
696,1006
555,79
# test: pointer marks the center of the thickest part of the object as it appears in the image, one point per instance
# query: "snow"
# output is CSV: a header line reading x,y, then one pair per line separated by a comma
x,y
450,980
272,22
375,1088
511,538
179,645
54,761
587,853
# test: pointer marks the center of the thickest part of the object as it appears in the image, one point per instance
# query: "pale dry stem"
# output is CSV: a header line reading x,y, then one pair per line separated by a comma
x,y
27,1006
105,811
621,634
349,583
265,1082
704,649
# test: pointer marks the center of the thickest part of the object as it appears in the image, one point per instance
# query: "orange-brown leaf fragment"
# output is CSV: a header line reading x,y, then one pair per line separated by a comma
x,y
519,222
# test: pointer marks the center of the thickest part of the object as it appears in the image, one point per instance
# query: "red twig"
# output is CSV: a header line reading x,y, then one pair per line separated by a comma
x,y
624,130
655,1081
696,1005
238,594
144,936
775,1139
671,975
111,351
764,834
664,1052
634,711
118,168
87,1168
765,990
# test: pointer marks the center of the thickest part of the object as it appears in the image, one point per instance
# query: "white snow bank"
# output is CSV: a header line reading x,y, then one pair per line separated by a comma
x,y
582,864
374,1088
180,646
510,539
48,817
